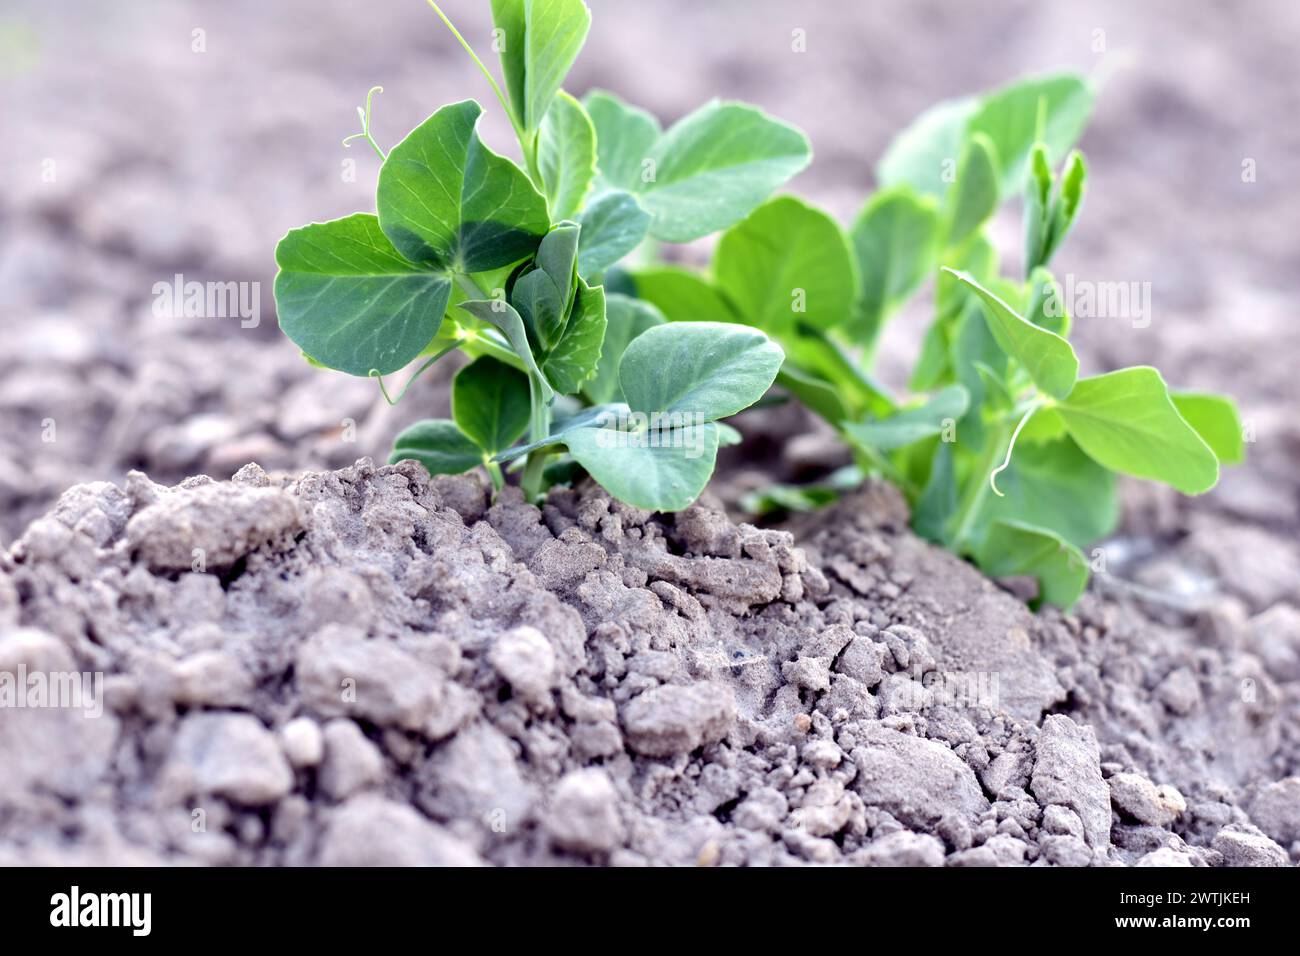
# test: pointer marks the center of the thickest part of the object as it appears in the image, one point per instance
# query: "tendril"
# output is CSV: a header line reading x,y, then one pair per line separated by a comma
x,y
364,116
1011,446
374,373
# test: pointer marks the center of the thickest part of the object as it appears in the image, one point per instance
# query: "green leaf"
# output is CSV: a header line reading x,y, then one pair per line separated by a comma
x,y
439,445
574,358
541,40
935,366
922,154
1047,303
787,262
705,370
1048,358
613,224
626,318
489,401
557,256
910,425
657,470
895,240
710,170
938,500
815,352
538,302
682,296
1013,548
1126,421
1054,485
1048,217
1038,196
504,318
597,416
1010,118
815,393
974,196
1216,420
543,296
566,156
348,299
625,135
446,201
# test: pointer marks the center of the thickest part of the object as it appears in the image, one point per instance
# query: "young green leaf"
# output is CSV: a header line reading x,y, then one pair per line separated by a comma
x,y
1010,118
625,135
1047,303
816,352
683,296
701,369
613,224
1216,420
348,299
557,256
895,240
448,202
541,39
909,425
505,319
658,471
938,499
489,402
1048,358
1126,421
710,170
1054,485
787,262
1013,548
922,155
573,359
1065,208
538,303
626,318
974,195
438,445
1037,217
566,156
816,394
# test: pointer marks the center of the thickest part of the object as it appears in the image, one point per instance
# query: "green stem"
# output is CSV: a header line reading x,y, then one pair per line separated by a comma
x,y
978,487
501,97
539,427
494,472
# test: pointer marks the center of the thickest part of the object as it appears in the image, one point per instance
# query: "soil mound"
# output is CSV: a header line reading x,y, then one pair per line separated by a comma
x,y
369,666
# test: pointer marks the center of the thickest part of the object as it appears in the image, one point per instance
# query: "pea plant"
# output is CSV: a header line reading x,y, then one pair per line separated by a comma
x,y
504,261
588,354
1006,454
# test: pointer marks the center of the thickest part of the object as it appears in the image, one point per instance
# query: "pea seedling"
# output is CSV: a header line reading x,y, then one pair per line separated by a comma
x,y
1006,455
468,250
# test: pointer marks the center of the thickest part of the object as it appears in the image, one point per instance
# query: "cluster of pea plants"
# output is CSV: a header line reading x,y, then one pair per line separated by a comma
x,y
1006,454
505,262
589,355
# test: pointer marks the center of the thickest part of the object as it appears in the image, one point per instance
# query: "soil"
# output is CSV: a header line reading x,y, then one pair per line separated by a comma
x,y
592,684
368,666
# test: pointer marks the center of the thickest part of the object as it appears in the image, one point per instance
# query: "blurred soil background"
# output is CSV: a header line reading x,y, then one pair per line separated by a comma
x,y
145,140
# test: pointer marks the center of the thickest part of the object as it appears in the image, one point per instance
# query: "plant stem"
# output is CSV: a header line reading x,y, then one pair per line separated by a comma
x,y
978,487
539,427
494,472
505,105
